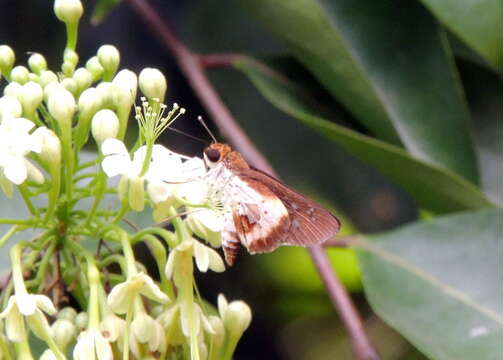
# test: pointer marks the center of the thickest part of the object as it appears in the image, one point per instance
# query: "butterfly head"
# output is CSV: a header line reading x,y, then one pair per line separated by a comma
x,y
215,153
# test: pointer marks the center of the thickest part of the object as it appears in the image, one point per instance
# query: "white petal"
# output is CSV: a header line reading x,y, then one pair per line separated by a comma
x,y
152,291
170,264
103,348
216,262
33,172
114,146
45,304
14,325
15,171
222,305
116,164
84,349
119,298
209,218
26,304
34,143
194,168
11,304
159,191
20,124
201,256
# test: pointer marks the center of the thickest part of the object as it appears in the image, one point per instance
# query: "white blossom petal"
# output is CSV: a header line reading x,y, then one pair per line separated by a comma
x,y
15,170
114,146
209,218
201,256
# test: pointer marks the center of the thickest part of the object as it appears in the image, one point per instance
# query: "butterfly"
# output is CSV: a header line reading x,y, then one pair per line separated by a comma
x,y
264,213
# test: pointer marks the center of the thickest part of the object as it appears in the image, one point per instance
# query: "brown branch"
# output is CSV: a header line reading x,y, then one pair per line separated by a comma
x,y
192,67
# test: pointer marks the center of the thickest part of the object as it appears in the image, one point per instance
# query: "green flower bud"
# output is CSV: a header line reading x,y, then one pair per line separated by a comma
x,y
34,174
10,107
64,332
236,317
106,93
89,103
136,194
31,97
126,84
47,355
104,125
217,339
13,89
109,58
51,155
68,11
7,59
47,77
94,67
81,320
153,84
33,77
112,327
83,78
61,106
20,74
50,88
70,85
68,312
37,63
70,60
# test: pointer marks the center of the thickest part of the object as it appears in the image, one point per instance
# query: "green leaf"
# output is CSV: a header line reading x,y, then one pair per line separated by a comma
x,y
479,23
389,64
434,188
439,283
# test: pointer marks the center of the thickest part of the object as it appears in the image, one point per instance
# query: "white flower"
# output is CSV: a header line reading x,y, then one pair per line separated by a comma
x,y
92,345
175,177
123,294
206,258
15,143
31,306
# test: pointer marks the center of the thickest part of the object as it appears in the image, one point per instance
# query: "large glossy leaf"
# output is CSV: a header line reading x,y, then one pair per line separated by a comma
x,y
439,283
478,22
389,64
434,188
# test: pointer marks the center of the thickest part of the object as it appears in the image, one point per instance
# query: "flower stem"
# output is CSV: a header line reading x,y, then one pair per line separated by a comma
x,y
23,190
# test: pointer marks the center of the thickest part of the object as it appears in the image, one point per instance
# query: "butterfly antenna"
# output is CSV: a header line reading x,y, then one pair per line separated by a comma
x,y
188,135
200,119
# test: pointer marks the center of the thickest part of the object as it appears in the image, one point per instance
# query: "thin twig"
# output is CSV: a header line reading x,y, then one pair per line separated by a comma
x,y
193,67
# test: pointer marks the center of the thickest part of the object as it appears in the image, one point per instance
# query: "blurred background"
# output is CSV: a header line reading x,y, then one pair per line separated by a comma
x,y
293,318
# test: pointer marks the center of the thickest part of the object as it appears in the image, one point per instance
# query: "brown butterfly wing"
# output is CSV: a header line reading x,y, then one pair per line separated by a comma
x,y
309,223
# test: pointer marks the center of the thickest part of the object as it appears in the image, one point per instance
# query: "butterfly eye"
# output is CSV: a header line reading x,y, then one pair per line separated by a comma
x,y
213,155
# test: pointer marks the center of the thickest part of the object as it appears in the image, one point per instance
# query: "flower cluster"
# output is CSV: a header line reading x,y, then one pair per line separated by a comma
x,y
77,285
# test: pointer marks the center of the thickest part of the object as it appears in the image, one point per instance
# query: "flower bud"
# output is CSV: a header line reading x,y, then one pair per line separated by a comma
x,y
68,312
83,79
153,83
48,355
20,74
89,103
50,88
217,339
112,327
64,332
37,63
106,92
10,107
105,125
109,58
236,316
136,194
81,320
13,89
31,97
50,154
47,77
7,59
68,11
70,60
33,173
61,106
70,85
126,84
94,67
